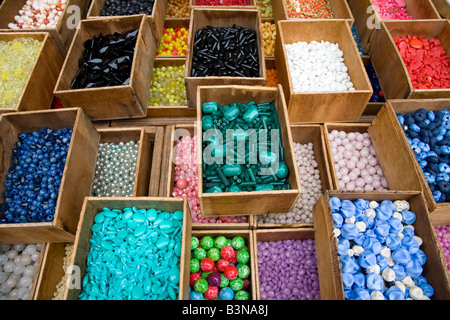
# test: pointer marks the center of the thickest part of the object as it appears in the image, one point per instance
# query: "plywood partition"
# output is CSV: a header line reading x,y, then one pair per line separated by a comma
x,y
257,202
176,132
92,206
64,31
319,107
440,212
388,63
304,134
37,92
76,181
201,18
116,102
156,19
367,18
330,272
442,7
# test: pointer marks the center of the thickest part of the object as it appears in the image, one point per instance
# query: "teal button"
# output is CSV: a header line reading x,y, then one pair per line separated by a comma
x,y
207,123
137,292
151,214
209,107
174,275
162,242
232,113
251,114
264,187
178,215
140,231
165,225
96,227
139,217
231,170
283,171
99,218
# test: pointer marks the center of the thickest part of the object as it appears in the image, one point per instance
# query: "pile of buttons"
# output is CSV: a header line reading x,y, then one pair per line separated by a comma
x,y
219,268
378,250
428,133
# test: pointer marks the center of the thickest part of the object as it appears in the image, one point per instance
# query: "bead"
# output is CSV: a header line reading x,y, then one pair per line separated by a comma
x,y
392,9
121,7
107,59
18,57
39,14
16,278
313,9
168,87
330,73
139,266
173,42
178,8
225,44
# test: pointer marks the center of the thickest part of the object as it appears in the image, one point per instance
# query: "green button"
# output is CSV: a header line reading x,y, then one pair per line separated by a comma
x,y
209,107
231,170
283,171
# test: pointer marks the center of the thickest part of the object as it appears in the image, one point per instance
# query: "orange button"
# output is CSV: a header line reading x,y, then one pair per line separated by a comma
x,y
415,43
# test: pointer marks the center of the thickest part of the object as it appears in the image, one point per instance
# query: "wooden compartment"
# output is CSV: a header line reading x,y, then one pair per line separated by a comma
x,y
330,272
148,166
440,212
398,172
76,182
329,106
115,102
156,19
339,8
249,241
37,92
65,29
372,108
201,18
388,63
256,202
367,19
51,272
303,133
442,7
176,132
250,6
93,205
276,235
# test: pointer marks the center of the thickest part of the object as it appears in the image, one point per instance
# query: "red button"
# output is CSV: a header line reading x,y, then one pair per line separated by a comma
x,y
416,43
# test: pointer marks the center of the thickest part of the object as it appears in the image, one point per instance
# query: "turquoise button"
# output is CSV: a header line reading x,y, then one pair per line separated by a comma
x,y
99,218
151,214
147,286
127,215
132,224
107,245
137,292
139,217
122,234
96,227
174,275
178,215
162,242
140,231
177,249
165,225
110,214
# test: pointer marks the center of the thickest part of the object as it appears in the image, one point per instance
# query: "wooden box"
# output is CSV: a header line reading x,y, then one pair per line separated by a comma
x,y
93,205
276,235
115,102
399,174
442,7
52,271
76,182
331,106
249,241
201,18
37,92
250,6
339,8
173,23
176,132
256,202
148,166
156,19
65,29
303,133
367,19
330,272
388,63
440,212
